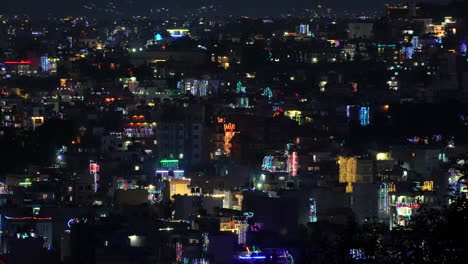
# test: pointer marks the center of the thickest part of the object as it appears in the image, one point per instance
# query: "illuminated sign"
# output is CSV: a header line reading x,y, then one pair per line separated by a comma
x,y
428,186
228,135
166,163
411,205
177,33
348,171
94,169
158,37
242,229
206,242
45,64
28,218
312,210
364,116
76,221
18,62
293,163
179,252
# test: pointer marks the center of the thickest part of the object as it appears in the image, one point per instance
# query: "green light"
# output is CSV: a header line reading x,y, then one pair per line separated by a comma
x,y
169,160
26,181
170,163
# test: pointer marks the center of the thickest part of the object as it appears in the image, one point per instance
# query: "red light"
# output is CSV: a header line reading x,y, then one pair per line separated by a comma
x,y
18,62
29,218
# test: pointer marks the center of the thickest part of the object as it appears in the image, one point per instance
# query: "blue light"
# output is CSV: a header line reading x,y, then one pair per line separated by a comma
x,y
45,63
364,116
252,257
158,37
463,49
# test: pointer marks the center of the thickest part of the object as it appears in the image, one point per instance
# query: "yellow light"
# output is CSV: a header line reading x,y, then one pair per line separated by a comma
x,y
428,186
178,29
347,171
383,156
179,187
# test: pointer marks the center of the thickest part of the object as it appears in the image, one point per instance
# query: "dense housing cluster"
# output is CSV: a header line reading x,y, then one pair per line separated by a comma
x,y
308,137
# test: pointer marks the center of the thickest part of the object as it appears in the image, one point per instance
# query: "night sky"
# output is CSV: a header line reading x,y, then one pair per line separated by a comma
x,y
238,7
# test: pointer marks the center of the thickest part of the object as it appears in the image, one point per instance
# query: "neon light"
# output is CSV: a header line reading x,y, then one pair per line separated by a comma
x,y
242,232
94,169
411,205
45,63
158,37
248,214
268,92
252,257
28,218
364,116
179,251
196,261
268,163
76,221
384,199
293,163
240,88
312,210
169,163
19,62
357,254
206,242
228,135
347,171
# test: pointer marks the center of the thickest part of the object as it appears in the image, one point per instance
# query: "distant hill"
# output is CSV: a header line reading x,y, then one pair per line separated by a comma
x,y
132,7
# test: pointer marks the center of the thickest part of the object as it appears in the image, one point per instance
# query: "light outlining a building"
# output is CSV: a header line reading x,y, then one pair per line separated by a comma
x,y
348,171
229,132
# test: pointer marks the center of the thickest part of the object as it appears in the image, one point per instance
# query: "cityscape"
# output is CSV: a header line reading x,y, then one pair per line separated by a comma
x,y
233,132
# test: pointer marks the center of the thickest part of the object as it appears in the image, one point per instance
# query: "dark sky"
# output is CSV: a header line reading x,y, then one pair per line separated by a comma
x,y
238,7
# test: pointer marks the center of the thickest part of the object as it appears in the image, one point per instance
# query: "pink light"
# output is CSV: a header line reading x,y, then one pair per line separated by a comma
x,y
411,205
293,163
18,62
